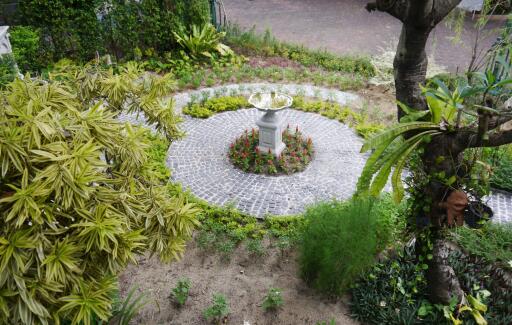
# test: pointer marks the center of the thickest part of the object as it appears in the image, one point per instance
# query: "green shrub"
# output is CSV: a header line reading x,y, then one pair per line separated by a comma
x,y
391,221
493,242
254,247
395,292
501,161
273,300
197,110
77,206
25,43
7,69
69,28
339,242
181,291
215,105
218,310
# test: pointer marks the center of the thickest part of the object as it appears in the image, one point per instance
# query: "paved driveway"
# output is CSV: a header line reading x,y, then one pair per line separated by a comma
x,y
344,26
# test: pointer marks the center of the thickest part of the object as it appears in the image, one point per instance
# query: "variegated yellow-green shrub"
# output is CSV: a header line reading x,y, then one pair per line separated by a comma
x,y
77,201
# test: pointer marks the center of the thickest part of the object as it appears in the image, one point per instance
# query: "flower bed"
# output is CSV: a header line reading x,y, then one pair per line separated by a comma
x,y
245,155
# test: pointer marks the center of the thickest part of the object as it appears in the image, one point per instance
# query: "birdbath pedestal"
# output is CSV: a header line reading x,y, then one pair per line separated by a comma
x,y
270,127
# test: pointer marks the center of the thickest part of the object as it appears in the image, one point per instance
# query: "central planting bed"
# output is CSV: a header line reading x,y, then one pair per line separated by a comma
x,y
201,161
245,153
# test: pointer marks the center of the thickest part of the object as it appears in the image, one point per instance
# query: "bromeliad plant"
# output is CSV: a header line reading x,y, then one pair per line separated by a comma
x,y
76,199
203,42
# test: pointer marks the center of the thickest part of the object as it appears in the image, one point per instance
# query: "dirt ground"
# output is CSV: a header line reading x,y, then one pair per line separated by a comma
x,y
244,280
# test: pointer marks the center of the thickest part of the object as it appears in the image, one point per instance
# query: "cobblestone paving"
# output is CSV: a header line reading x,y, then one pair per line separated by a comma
x,y
200,163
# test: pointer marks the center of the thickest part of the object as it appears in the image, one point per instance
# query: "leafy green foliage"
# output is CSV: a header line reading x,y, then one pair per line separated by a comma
x,y
218,310
394,292
273,300
181,291
500,159
203,42
25,43
214,105
72,28
69,28
339,242
337,112
493,242
77,201
298,153
385,156
254,247
7,69
131,305
267,45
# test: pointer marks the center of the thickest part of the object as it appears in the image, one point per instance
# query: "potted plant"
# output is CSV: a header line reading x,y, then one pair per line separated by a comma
x,y
477,213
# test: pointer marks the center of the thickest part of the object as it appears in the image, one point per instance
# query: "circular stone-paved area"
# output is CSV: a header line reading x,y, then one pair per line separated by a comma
x,y
199,161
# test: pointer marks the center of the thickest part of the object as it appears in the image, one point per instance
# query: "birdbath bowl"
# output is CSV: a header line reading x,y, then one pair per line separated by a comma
x,y
270,127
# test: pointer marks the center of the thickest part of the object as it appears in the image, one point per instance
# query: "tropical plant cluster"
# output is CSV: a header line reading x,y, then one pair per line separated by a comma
x,y
79,198
80,29
394,292
298,153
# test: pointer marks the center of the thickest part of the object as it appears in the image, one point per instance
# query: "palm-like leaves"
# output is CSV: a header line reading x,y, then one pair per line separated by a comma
x,y
203,41
385,156
73,196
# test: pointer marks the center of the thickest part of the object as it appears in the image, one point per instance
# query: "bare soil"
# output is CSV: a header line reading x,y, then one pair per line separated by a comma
x,y
245,280
378,103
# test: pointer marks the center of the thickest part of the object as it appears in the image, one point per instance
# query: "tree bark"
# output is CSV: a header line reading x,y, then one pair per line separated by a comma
x,y
410,67
419,17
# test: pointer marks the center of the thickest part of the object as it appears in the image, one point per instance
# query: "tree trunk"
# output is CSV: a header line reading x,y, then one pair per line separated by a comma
x,y
410,67
441,156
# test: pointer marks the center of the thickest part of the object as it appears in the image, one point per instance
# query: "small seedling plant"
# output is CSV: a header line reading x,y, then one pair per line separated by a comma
x,y
180,293
218,310
273,300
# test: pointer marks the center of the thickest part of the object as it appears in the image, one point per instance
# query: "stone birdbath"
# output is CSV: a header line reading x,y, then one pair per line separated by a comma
x,y
270,128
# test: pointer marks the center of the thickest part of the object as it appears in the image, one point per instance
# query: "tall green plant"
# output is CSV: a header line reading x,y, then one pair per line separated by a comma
x,y
339,242
76,199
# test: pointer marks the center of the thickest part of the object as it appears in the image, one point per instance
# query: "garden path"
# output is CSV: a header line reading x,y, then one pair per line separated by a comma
x,y
199,161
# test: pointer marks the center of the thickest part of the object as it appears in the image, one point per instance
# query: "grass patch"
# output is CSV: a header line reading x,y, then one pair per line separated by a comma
x,y
493,242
